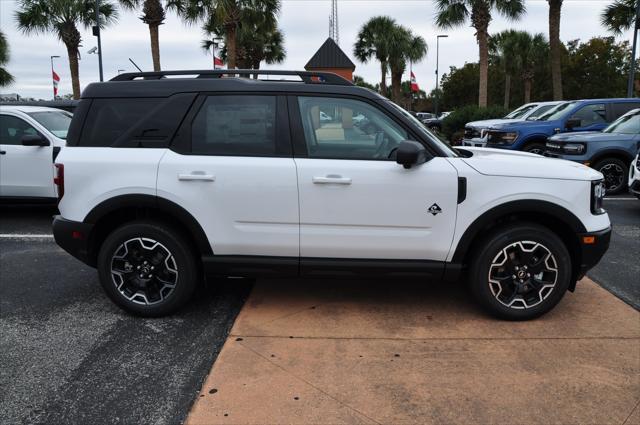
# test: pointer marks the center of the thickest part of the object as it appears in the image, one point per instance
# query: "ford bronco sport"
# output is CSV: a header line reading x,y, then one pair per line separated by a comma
x,y
169,177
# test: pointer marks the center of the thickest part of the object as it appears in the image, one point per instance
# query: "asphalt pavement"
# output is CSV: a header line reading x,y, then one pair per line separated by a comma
x,y
69,355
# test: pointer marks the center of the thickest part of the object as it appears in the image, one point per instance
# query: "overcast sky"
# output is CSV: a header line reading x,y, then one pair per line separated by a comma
x,y
305,25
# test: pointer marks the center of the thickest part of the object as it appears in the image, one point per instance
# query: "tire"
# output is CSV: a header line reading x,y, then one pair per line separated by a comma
x,y
492,282
169,276
537,148
615,174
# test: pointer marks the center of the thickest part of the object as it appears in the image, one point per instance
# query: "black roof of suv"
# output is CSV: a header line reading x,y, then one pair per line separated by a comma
x,y
167,83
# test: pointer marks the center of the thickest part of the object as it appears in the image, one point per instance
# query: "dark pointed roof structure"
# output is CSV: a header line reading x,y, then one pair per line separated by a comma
x,y
330,55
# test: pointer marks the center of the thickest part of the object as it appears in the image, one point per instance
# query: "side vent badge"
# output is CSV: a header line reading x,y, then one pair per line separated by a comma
x,y
435,209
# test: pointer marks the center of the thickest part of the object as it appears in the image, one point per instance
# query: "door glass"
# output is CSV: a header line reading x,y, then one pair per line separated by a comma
x,y
591,114
235,125
337,128
12,129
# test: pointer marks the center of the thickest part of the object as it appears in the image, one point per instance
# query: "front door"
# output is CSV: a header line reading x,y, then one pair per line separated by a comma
x,y
25,171
355,200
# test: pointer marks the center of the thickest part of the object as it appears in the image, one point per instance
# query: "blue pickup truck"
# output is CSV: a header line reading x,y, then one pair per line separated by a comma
x,y
575,115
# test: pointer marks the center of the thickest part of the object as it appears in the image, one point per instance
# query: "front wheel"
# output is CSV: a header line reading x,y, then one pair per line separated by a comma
x,y
615,174
147,269
520,272
536,148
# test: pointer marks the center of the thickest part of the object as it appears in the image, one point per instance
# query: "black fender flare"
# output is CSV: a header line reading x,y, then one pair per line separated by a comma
x,y
529,206
612,153
137,201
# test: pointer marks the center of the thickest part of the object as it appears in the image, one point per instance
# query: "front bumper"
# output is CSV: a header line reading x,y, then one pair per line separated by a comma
x,y
74,237
592,249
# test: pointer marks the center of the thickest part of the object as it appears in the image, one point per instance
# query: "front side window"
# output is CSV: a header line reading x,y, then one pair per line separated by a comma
x,y
236,126
590,114
557,112
337,128
13,129
626,124
539,112
57,122
518,113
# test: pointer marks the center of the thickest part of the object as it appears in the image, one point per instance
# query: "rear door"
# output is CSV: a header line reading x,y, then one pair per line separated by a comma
x,y
237,176
25,171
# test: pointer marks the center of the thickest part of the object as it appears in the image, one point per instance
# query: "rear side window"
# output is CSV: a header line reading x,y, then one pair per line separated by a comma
x,y
108,119
620,108
236,125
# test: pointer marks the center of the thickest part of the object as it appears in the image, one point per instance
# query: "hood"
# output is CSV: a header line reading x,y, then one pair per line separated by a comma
x,y
515,125
488,123
507,163
591,136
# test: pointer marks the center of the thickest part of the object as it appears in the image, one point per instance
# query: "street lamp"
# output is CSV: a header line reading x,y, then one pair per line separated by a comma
x,y
435,109
53,81
120,71
96,33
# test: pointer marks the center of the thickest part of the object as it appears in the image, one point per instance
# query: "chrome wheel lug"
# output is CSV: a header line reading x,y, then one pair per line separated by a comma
x,y
138,268
152,268
142,276
513,276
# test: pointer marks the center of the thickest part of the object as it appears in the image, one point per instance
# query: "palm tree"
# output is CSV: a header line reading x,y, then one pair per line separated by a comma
x,y
373,41
619,16
404,47
62,18
531,51
555,51
153,14
229,15
5,77
503,51
454,13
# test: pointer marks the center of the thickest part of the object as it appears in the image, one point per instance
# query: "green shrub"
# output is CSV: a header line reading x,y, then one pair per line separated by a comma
x,y
453,124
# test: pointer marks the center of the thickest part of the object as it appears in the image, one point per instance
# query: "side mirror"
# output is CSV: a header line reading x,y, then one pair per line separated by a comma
x,y
410,153
34,140
573,123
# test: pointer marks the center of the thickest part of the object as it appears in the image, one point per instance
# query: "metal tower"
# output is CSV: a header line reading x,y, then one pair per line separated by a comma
x,y
333,22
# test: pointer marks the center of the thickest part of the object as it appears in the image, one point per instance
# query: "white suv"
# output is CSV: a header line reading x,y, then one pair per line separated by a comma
x,y
167,180
30,139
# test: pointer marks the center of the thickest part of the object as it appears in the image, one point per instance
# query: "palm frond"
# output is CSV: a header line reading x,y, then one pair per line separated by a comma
x,y
619,16
452,13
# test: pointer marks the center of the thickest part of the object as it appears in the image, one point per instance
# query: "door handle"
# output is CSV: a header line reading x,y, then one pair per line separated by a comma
x,y
196,175
332,179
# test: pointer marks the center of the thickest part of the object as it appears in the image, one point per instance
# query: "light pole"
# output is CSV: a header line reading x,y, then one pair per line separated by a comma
x,y
120,71
632,70
52,71
96,33
435,108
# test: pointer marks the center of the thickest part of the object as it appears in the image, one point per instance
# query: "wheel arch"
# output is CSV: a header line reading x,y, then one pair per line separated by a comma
x,y
116,211
554,217
531,139
620,154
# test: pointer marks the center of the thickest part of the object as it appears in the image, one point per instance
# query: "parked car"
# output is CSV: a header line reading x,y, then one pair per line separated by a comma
x,y
425,116
435,123
30,139
475,132
610,151
166,178
576,115
634,175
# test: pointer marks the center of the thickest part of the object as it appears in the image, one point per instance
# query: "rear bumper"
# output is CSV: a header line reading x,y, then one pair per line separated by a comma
x,y
592,252
73,237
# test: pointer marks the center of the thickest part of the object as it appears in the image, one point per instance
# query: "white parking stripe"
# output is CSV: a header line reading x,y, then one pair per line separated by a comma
x,y
24,236
620,199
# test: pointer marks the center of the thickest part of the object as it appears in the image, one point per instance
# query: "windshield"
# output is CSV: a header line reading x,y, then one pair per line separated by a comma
x,y
626,124
520,111
538,112
557,112
435,139
57,122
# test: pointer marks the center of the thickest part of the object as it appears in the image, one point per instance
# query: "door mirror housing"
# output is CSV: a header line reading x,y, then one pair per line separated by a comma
x,y
34,140
411,153
573,123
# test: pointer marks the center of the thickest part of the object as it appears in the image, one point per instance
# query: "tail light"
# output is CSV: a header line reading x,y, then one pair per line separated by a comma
x,y
58,180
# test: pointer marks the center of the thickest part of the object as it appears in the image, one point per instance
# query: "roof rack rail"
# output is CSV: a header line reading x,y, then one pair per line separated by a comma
x,y
308,77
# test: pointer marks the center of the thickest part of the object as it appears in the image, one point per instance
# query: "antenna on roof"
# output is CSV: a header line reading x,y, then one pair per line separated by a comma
x,y
334,32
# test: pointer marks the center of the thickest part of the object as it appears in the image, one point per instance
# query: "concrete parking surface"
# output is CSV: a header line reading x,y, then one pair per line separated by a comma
x,y
69,355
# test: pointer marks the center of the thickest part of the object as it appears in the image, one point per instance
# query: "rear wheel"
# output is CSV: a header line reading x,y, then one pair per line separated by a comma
x,y
615,174
147,269
521,272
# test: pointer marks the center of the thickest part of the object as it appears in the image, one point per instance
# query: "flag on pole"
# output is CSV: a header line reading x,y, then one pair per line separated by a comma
x,y
414,83
56,81
217,62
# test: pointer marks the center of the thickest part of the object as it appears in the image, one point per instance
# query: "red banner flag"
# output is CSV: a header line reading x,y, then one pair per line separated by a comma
x,y
56,81
217,62
414,83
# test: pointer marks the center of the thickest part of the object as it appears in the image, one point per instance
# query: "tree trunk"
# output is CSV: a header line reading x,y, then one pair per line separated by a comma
x,y
482,37
155,46
231,45
527,90
396,86
507,90
383,83
555,8
72,52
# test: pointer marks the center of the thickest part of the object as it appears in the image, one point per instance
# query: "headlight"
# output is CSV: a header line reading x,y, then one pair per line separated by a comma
x,y
502,138
574,148
509,137
597,197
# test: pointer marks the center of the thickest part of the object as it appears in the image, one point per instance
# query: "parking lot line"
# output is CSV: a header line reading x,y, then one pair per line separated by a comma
x,y
620,199
25,236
